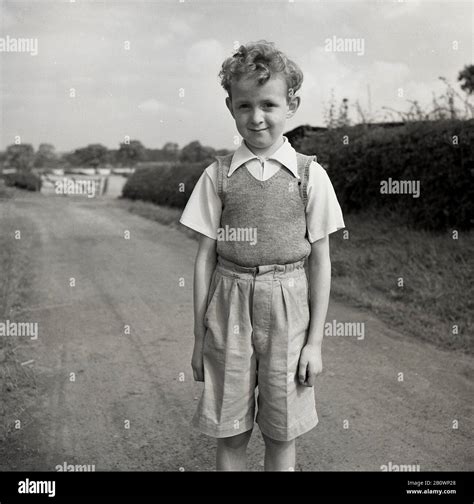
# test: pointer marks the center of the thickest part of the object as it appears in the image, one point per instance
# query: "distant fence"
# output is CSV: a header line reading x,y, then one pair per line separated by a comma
x,y
74,185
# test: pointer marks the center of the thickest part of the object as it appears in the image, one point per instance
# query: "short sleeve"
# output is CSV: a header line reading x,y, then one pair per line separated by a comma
x,y
202,212
323,212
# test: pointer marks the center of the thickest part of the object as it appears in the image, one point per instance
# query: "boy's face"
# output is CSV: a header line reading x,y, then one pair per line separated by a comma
x,y
260,112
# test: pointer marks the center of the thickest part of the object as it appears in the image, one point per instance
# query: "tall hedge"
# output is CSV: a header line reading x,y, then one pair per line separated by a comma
x,y
23,179
169,185
440,155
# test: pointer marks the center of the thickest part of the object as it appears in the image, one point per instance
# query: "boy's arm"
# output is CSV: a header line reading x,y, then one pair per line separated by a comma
x,y
319,265
203,268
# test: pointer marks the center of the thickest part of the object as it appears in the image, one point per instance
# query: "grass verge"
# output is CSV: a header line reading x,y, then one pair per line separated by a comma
x,y
5,192
17,381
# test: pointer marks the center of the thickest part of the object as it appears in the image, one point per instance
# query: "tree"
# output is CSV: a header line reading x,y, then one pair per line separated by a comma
x,y
466,77
171,147
194,152
129,154
169,152
46,156
223,152
93,155
20,157
112,157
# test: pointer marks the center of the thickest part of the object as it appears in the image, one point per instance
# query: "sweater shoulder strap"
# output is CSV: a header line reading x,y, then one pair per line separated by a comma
x,y
223,165
303,163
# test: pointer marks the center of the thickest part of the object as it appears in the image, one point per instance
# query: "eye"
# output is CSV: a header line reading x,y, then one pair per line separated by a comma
x,y
244,105
269,104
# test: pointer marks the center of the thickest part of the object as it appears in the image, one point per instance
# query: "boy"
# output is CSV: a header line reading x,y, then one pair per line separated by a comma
x,y
261,212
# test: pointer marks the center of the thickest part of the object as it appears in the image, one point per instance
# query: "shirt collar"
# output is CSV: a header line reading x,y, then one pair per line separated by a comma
x,y
285,155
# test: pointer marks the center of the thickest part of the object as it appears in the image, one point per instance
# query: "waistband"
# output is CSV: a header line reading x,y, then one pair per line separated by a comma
x,y
272,270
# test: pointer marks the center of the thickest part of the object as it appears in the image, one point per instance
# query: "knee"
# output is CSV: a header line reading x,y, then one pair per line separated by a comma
x,y
237,442
276,444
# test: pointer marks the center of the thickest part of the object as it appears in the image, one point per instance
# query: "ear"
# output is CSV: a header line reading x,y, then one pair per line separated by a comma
x,y
228,103
293,106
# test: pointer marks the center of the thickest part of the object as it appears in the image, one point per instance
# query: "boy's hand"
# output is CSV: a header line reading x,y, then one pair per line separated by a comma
x,y
310,365
197,360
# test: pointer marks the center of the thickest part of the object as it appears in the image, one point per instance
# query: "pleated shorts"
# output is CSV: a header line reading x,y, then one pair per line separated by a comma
x,y
257,322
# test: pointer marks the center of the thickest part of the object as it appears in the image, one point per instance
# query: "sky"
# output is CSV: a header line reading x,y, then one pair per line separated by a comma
x,y
148,70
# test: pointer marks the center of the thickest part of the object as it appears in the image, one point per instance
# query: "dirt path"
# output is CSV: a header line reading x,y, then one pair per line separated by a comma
x,y
137,377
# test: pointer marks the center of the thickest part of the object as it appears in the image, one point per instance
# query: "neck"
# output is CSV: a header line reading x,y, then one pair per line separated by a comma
x,y
268,151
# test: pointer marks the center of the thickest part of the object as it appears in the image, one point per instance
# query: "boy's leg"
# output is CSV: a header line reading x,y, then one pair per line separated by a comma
x,y
232,452
286,409
279,455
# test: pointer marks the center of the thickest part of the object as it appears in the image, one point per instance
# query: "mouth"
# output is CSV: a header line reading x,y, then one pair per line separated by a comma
x,y
263,129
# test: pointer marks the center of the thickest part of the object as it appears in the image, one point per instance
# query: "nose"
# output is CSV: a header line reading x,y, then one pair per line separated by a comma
x,y
257,117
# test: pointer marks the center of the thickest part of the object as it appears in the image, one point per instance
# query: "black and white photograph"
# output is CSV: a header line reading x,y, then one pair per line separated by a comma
x,y
236,238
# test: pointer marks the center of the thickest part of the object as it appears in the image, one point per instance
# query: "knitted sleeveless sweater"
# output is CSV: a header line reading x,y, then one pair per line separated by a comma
x,y
263,222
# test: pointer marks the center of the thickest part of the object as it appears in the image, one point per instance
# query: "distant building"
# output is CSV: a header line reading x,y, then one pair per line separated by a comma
x,y
305,131
297,134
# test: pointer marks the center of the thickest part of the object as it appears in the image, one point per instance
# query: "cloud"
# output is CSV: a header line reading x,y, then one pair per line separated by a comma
x,y
161,40
325,71
205,57
331,72
152,106
385,74
400,9
177,29
180,27
183,113
8,20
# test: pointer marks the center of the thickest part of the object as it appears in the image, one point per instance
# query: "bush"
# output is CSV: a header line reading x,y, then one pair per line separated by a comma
x,y
420,151
161,185
23,180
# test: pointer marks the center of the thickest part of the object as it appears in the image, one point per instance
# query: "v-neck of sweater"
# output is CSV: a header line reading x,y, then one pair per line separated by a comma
x,y
262,182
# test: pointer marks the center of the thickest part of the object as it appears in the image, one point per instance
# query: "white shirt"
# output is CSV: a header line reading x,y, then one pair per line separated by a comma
x,y
323,212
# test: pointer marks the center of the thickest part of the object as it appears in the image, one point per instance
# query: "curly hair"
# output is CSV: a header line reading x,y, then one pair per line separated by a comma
x,y
260,60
